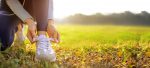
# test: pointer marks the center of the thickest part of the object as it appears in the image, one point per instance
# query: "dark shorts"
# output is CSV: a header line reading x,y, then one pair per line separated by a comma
x,y
8,27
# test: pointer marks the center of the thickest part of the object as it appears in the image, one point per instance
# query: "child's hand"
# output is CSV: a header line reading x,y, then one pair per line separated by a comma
x,y
52,32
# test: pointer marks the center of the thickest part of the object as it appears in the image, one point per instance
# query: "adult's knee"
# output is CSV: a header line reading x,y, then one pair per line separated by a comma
x,y
6,43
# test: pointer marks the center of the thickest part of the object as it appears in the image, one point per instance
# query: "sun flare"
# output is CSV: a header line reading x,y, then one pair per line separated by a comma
x,y
63,8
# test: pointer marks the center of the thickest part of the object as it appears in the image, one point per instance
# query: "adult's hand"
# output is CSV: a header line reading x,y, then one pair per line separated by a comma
x,y
31,34
52,32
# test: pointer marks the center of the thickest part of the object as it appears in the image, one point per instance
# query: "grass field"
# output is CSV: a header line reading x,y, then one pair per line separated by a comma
x,y
90,46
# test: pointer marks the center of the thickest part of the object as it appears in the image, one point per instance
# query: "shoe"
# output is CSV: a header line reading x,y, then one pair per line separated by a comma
x,y
19,33
20,37
44,50
20,40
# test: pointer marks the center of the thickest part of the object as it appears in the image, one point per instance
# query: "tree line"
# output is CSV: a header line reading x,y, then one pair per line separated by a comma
x,y
125,18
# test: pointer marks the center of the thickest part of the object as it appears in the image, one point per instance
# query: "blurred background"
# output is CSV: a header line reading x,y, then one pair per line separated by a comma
x,y
94,34
117,12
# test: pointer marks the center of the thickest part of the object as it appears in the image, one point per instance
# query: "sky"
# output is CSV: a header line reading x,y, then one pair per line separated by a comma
x,y
64,8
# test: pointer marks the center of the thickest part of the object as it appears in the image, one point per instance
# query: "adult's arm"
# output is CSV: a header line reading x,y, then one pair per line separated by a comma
x,y
18,9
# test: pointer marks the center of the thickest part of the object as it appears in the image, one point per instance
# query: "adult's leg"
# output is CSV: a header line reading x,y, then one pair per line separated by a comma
x,y
7,30
39,10
44,50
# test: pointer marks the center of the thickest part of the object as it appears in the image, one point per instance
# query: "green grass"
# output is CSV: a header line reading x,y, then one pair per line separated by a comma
x,y
87,35
91,46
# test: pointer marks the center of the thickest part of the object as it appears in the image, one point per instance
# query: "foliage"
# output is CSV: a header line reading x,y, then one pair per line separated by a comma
x,y
125,18
88,47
